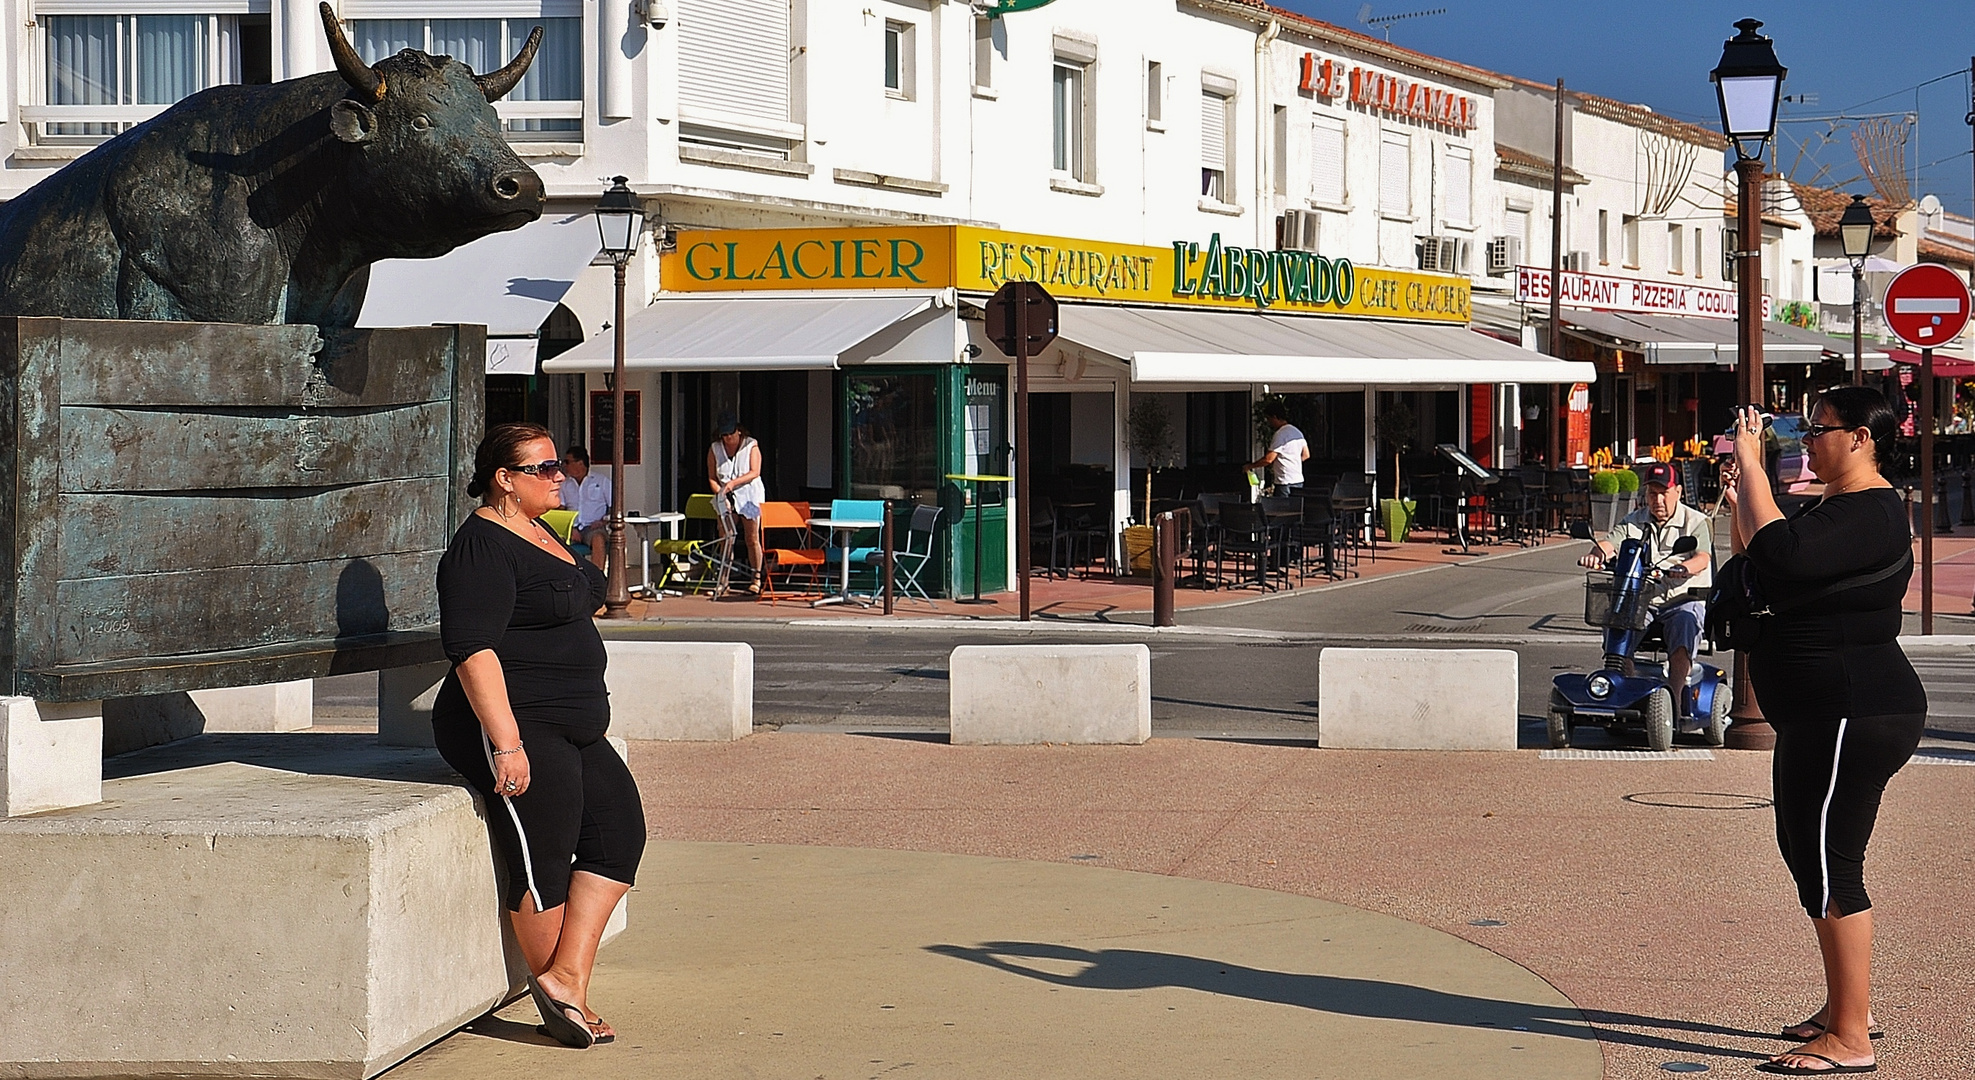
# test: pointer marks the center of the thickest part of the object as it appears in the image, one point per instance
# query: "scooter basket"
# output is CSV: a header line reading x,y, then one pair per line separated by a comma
x,y
1608,603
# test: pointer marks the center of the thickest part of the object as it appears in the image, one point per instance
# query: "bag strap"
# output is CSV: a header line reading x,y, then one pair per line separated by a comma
x,y
1858,581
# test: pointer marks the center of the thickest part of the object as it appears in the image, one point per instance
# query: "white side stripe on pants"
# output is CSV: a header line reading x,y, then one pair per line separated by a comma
x,y
1823,822
527,861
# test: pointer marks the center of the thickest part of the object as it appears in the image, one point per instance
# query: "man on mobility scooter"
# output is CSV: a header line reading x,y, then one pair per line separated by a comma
x,y
1662,583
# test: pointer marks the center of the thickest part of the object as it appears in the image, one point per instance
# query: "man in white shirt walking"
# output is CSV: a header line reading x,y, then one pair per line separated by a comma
x,y
588,494
1287,452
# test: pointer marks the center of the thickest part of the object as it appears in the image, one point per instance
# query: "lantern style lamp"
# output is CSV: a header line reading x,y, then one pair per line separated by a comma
x,y
1748,84
1855,233
620,219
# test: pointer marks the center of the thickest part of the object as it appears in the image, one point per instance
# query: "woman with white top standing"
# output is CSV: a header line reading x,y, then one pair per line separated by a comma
x,y
733,470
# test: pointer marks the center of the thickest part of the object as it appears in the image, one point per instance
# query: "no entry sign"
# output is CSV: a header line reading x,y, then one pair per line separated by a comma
x,y
1926,305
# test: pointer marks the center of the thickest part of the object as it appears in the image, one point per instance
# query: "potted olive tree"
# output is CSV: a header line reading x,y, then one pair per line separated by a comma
x,y
1149,430
1397,428
1612,495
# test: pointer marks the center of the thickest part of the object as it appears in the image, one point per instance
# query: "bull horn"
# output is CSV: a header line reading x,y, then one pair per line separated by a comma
x,y
496,84
348,64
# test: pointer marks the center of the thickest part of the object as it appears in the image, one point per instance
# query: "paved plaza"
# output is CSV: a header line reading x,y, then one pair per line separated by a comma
x,y
845,894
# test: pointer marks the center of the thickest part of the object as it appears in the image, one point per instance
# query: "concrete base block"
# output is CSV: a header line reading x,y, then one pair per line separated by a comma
x,y
688,691
1050,693
49,764
404,703
231,920
287,706
1417,699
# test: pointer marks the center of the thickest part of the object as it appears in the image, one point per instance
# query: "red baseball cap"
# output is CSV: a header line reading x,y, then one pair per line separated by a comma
x,y
1656,472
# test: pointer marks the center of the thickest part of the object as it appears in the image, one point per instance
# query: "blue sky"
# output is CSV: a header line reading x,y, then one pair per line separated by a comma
x,y
1847,54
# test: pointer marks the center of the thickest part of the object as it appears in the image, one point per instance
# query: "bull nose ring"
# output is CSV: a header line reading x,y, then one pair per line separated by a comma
x,y
507,187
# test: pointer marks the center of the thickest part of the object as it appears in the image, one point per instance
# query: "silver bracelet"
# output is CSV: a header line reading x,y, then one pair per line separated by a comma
x,y
515,750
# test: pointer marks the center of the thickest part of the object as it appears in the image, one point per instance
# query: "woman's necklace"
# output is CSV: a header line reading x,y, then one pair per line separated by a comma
x,y
535,533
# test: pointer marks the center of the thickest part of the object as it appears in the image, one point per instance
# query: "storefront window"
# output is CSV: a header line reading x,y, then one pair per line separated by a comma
x,y
894,437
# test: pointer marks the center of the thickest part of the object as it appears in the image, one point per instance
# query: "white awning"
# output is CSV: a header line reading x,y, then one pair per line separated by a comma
x,y
1240,347
1680,339
508,282
753,332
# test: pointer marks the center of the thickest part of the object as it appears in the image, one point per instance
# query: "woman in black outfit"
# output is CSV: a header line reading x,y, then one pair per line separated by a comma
x,y
1829,675
522,717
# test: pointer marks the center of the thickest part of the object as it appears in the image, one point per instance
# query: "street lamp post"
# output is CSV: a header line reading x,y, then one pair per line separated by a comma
x,y
620,219
1748,85
1855,232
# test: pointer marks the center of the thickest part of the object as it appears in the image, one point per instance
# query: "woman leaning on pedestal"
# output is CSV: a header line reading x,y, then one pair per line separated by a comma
x,y
1847,707
522,717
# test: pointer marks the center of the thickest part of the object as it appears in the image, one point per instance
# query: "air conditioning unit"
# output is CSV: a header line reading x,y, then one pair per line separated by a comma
x,y
1504,255
1578,262
1439,253
1463,261
1298,230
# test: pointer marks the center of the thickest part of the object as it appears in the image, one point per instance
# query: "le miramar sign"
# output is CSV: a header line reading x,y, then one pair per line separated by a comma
x,y
1190,273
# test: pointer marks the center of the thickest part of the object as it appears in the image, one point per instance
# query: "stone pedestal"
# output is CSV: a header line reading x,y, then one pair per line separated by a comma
x,y
50,757
691,691
1002,694
236,920
404,703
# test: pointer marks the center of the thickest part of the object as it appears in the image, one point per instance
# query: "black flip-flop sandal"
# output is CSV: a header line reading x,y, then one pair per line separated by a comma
x,y
556,1023
1836,1069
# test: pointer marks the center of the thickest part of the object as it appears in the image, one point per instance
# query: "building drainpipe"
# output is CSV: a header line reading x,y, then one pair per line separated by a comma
x,y
1264,136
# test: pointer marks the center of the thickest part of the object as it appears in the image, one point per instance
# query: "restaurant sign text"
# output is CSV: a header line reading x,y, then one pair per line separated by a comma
x,y
1190,273
1602,293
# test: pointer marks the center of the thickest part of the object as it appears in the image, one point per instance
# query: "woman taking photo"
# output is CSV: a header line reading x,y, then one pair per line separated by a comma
x,y
522,717
1830,677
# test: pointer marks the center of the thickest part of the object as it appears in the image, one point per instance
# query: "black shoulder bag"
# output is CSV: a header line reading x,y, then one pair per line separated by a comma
x,y
1738,611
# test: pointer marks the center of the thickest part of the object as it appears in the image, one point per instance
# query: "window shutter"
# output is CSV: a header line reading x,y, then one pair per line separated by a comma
x,y
734,57
1460,185
1213,131
1395,176
1327,162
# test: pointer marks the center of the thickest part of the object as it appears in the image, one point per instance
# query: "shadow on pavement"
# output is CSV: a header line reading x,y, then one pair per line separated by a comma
x,y
353,754
1135,969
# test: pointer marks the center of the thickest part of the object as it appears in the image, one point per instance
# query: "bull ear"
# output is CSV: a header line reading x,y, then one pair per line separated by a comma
x,y
351,122
495,85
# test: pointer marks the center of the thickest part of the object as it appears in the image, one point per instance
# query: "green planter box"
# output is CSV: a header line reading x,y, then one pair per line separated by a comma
x,y
1397,518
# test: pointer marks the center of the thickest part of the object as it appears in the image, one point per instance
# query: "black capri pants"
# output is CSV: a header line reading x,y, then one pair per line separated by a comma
x,y
581,810
1828,777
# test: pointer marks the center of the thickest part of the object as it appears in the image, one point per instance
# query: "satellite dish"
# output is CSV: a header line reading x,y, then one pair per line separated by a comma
x,y
1930,205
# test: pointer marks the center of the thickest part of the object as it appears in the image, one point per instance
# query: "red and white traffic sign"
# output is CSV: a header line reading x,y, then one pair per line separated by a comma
x,y
1926,305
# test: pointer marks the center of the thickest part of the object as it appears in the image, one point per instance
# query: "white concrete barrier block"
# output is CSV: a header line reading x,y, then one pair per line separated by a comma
x,y
404,703
288,706
49,764
204,933
686,691
1417,699
1050,694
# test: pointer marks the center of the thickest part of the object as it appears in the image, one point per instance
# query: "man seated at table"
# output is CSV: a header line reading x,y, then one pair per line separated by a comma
x,y
588,494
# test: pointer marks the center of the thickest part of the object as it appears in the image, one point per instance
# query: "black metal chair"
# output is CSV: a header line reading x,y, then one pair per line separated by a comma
x,y
1245,536
1044,529
1351,503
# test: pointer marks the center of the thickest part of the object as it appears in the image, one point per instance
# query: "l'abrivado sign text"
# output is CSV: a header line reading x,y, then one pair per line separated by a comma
x,y
1190,273
1601,293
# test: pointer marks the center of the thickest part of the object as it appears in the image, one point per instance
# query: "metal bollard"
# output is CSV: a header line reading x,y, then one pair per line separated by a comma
x,y
1967,496
889,585
1164,556
1942,526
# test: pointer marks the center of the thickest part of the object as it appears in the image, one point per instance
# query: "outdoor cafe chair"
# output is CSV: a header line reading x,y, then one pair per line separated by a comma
x,y
910,558
806,558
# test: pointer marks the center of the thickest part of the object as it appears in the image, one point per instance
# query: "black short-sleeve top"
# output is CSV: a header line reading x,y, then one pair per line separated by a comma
x,y
1838,656
498,591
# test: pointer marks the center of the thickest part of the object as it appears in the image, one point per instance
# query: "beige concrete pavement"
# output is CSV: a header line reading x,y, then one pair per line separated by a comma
x,y
778,961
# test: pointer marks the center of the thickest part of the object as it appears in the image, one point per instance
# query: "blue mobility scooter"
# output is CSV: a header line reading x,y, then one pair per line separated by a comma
x,y
1618,600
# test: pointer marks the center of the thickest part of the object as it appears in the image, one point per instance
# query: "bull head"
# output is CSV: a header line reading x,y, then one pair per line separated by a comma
x,y
366,80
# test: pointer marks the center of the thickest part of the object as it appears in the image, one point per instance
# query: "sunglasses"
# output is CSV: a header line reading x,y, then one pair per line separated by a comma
x,y
540,468
1812,431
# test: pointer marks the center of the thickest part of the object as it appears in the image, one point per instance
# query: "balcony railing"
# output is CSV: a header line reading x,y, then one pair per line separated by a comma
x,y
71,124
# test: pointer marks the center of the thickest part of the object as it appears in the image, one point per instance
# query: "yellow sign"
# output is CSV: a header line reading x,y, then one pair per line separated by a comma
x,y
1188,273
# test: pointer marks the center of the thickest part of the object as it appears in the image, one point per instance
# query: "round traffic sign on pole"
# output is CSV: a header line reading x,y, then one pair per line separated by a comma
x,y
1926,305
